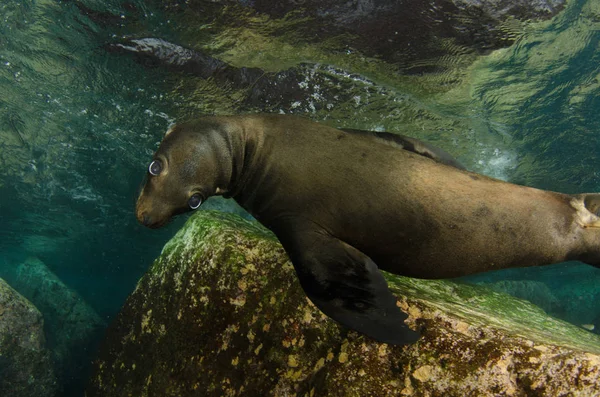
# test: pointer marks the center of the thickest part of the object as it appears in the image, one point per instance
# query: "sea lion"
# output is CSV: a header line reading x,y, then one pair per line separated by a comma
x,y
347,203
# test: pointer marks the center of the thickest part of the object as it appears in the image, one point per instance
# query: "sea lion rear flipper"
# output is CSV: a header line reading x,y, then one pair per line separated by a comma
x,y
347,286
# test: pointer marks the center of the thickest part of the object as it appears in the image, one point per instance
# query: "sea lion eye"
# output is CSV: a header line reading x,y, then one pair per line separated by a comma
x,y
155,167
195,201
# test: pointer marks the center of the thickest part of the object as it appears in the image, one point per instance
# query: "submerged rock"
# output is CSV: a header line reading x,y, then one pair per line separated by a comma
x,y
25,364
221,313
72,326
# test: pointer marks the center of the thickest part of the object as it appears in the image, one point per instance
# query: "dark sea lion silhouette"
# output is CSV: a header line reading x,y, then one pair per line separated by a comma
x,y
346,203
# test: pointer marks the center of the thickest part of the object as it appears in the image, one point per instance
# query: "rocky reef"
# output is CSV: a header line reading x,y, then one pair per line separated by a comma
x,y
69,327
26,367
221,312
71,324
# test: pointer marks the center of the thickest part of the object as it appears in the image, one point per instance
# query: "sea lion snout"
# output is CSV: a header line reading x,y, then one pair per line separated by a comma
x,y
144,218
144,215
153,212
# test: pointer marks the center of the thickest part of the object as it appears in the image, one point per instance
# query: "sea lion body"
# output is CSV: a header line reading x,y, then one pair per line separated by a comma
x,y
342,201
408,213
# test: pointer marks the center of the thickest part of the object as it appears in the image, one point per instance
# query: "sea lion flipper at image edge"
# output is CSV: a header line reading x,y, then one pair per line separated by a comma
x,y
413,145
346,285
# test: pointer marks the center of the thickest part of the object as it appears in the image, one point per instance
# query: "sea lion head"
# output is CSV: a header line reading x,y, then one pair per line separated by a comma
x,y
192,163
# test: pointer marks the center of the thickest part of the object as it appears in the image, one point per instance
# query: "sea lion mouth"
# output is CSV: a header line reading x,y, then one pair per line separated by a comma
x,y
157,225
156,222
151,222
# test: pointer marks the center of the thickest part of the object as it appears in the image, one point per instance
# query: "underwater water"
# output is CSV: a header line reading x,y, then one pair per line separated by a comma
x,y
79,122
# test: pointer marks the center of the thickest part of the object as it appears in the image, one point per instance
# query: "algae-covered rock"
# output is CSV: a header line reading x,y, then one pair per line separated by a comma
x,y
25,363
221,313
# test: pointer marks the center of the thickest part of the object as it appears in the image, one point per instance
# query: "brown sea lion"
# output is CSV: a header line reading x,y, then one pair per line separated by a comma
x,y
345,203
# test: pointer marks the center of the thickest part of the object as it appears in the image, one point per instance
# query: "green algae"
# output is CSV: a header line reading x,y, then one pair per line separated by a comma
x,y
184,243
480,306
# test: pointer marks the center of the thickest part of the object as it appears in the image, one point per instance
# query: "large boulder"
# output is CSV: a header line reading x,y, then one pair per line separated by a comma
x,y
221,312
72,326
25,364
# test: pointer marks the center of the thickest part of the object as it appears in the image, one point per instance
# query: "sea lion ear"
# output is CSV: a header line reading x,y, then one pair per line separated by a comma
x,y
347,286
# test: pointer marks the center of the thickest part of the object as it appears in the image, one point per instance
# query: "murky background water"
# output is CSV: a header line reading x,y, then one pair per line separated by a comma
x,y
79,120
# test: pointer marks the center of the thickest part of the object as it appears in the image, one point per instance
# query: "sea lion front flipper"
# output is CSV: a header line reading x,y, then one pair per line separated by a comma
x,y
346,285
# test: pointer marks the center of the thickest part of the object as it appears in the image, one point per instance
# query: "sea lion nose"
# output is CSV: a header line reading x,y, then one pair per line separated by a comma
x,y
146,219
143,218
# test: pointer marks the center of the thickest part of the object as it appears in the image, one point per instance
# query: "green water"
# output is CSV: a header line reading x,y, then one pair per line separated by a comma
x,y
78,124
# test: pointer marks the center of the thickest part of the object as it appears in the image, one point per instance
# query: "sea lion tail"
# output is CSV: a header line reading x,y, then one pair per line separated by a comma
x,y
587,206
587,216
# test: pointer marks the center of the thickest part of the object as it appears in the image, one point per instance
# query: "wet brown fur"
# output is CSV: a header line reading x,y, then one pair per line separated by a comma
x,y
411,215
